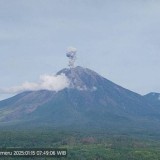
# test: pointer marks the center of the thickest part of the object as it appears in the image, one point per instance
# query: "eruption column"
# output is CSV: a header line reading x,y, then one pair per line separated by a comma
x,y
71,54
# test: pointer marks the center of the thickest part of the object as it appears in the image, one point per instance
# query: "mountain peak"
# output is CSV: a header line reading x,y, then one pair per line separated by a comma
x,y
77,70
81,78
154,96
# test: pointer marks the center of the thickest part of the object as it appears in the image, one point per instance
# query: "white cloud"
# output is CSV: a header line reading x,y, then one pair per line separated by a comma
x,y
47,82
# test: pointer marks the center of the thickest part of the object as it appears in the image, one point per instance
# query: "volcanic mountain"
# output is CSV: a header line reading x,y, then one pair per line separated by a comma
x,y
90,101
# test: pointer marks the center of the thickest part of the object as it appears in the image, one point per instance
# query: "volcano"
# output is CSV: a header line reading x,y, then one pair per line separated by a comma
x,y
91,101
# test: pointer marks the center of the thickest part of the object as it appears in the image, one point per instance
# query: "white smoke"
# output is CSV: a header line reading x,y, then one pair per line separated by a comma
x,y
71,54
46,82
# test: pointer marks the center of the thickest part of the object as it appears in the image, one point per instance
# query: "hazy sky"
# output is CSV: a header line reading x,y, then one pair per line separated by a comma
x,y
119,39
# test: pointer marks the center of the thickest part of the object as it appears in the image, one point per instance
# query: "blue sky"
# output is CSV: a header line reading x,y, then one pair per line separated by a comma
x,y
118,39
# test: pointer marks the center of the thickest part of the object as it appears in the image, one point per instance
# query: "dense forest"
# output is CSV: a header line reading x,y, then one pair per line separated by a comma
x,y
84,145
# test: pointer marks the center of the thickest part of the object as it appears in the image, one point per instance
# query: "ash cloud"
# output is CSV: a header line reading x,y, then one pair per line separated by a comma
x,y
46,82
71,54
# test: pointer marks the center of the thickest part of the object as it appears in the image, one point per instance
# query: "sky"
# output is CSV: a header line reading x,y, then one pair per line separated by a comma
x,y
120,40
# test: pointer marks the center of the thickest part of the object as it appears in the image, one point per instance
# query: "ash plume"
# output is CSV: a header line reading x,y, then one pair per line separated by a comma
x,y
71,54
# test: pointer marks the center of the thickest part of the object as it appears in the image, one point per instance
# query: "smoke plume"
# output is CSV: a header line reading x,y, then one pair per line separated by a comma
x,y
71,54
46,82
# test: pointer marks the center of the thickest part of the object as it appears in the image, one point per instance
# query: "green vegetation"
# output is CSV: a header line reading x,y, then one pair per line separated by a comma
x,y
85,146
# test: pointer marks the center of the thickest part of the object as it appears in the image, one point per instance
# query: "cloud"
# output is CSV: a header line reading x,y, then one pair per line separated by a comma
x,y
46,82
